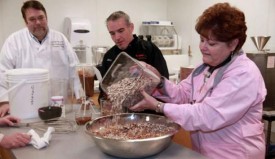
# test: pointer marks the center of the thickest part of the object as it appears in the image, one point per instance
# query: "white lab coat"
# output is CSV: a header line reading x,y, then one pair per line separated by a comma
x,y
21,50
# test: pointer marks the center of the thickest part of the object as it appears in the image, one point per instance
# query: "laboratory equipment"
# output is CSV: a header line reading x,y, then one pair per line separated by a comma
x,y
260,42
163,34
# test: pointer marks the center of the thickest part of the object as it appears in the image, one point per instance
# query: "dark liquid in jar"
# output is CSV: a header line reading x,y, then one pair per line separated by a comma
x,y
89,84
82,120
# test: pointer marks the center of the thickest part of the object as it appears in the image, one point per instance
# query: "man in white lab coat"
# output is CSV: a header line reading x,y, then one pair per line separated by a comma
x,y
37,46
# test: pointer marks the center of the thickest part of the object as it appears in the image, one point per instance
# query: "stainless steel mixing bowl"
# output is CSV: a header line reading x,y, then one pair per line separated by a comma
x,y
136,148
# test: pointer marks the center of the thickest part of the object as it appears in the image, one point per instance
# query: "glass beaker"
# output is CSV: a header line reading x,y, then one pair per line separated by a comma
x,y
86,112
81,51
82,116
98,54
86,75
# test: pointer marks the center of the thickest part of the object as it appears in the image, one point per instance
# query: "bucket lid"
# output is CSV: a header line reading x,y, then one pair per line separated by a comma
x,y
31,77
26,71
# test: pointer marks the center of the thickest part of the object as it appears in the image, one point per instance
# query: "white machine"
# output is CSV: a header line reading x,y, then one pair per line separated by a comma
x,y
163,34
78,32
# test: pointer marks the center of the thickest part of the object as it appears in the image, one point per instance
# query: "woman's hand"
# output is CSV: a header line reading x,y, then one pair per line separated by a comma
x,y
148,102
15,140
9,120
4,108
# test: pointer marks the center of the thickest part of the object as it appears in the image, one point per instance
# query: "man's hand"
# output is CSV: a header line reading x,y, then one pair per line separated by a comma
x,y
9,120
15,140
4,108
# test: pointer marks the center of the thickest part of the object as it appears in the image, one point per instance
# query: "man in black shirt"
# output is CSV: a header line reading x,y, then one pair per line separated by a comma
x,y
121,30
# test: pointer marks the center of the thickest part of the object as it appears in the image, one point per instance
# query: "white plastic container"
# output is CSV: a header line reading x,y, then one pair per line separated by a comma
x,y
57,100
31,91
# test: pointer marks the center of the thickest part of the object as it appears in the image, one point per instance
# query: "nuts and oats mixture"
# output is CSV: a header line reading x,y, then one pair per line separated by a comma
x,y
133,130
126,92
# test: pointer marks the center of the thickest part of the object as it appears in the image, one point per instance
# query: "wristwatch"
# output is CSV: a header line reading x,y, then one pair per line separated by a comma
x,y
159,107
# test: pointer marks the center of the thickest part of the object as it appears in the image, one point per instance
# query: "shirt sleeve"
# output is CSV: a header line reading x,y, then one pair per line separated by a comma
x,y
6,63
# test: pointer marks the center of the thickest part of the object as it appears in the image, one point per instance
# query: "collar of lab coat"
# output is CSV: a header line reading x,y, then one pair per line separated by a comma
x,y
35,39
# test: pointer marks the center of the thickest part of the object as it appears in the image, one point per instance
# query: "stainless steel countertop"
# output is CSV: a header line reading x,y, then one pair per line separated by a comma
x,y
78,145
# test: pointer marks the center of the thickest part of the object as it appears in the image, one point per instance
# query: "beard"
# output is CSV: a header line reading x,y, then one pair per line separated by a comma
x,y
40,32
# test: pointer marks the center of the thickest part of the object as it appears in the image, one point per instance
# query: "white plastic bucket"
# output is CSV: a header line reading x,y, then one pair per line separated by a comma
x,y
29,91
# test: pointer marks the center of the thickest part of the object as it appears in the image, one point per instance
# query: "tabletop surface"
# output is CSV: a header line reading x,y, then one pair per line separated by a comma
x,y
79,145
